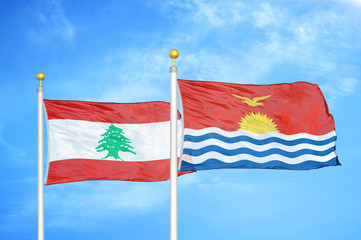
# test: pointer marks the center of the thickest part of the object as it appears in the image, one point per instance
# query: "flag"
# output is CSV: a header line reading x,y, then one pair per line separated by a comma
x,y
107,141
281,126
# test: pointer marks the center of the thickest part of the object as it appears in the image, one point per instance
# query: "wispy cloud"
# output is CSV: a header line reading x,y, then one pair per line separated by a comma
x,y
267,16
338,88
214,14
315,42
352,2
52,23
310,41
348,85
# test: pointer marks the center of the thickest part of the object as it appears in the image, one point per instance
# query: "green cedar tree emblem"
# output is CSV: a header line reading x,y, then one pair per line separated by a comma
x,y
114,141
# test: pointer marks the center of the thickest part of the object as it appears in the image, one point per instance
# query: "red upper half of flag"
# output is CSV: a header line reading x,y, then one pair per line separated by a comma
x,y
122,113
295,108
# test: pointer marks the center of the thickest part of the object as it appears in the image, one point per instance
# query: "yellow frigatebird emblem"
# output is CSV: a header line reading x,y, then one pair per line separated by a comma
x,y
254,102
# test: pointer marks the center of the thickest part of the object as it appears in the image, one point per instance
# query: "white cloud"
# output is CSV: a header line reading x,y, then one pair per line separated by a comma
x,y
305,41
268,16
215,14
52,24
338,88
353,2
311,41
348,85
304,34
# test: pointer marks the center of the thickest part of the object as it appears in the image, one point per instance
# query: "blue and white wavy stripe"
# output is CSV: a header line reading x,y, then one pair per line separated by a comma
x,y
215,148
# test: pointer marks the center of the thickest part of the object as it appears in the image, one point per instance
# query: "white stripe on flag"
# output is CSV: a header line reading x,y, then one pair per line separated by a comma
x,y
235,158
72,139
200,132
258,148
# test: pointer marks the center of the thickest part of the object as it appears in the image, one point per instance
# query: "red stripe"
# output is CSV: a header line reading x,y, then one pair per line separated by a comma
x,y
132,113
295,108
75,170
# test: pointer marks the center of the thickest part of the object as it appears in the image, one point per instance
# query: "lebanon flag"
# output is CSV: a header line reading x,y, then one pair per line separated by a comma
x,y
281,126
107,141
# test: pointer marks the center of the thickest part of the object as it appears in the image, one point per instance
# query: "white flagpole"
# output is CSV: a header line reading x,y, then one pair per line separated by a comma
x,y
173,148
40,76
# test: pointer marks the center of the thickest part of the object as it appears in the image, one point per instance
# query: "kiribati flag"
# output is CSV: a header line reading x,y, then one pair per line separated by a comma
x,y
281,126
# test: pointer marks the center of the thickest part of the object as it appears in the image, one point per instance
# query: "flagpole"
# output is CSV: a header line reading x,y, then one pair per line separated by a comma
x,y
173,148
40,76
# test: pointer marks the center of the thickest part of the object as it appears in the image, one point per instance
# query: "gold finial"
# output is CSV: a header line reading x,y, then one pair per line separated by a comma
x,y
173,54
40,76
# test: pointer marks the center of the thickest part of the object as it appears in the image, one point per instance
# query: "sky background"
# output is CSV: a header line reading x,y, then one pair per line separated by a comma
x,y
117,51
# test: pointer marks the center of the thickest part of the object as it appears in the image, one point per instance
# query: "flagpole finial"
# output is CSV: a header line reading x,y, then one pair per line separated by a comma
x,y
173,54
40,76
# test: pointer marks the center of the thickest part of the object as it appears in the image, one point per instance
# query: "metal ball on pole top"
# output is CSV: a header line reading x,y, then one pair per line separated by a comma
x,y
173,148
40,76
174,54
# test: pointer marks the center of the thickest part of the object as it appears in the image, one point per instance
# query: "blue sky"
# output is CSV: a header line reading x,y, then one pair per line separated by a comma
x,y
117,51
